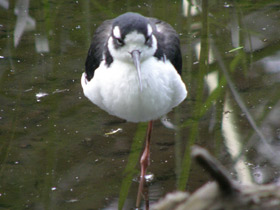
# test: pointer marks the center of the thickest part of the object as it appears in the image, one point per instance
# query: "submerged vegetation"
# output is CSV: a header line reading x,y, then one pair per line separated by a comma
x,y
55,151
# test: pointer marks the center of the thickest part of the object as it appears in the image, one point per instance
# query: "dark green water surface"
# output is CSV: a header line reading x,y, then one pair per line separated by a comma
x,y
59,151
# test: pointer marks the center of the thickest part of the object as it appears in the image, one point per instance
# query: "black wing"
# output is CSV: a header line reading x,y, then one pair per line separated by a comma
x,y
168,43
97,48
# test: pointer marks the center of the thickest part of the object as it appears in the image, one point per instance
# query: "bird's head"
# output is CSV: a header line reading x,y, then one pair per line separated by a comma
x,y
132,40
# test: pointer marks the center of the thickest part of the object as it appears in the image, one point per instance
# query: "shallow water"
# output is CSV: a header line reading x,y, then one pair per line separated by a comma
x,y
58,151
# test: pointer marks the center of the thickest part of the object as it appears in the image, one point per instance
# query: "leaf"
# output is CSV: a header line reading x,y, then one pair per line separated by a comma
x,y
133,159
235,49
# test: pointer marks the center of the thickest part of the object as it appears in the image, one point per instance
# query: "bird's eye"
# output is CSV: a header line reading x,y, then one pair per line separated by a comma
x,y
148,40
119,42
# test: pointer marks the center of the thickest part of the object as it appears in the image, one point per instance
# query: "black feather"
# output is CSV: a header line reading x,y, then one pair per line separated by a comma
x,y
167,40
98,47
129,22
168,43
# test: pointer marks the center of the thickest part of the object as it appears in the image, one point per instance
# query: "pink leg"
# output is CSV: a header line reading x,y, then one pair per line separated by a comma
x,y
144,162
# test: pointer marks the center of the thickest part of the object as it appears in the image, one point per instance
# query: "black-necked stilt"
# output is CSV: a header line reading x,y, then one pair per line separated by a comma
x,y
133,71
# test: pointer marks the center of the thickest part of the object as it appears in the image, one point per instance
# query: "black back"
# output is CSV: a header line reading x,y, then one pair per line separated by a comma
x,y
98,47
168,43
167,39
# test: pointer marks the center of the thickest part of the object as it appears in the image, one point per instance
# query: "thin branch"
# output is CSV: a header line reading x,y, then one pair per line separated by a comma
x,y
239,101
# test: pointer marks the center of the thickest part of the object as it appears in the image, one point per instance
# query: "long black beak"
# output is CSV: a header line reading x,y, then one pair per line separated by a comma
x,y
135,54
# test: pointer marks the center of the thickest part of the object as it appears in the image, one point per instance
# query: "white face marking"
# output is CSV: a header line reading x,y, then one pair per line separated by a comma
x,y
133,41
117,32
159,28
149,30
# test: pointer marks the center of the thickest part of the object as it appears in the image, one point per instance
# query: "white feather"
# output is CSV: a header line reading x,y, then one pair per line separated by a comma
x,y
149,30
117,32
115,89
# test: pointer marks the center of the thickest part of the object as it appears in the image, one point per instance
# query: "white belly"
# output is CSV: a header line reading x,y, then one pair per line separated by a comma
x,y
116,89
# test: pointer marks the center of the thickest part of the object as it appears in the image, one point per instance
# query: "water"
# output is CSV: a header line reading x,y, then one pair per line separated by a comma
x,y
58,151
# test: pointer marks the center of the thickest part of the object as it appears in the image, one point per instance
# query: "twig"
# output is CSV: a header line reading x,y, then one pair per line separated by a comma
x,y
215,169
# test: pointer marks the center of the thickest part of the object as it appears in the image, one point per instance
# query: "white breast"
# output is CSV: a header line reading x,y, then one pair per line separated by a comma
x,y
116,89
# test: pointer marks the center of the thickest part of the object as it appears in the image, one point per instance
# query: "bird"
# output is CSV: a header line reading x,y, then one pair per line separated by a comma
x,y
133,71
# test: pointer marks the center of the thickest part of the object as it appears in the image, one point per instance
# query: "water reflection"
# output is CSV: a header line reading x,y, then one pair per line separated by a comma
x,y
234,144
24,21
55,154
4,4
